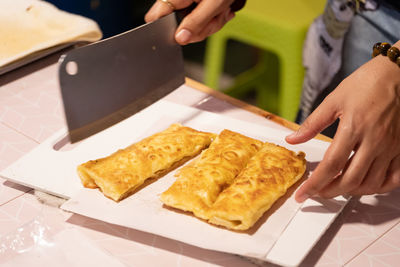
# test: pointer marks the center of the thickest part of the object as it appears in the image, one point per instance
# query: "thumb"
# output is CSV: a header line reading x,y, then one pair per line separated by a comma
x,y
322,117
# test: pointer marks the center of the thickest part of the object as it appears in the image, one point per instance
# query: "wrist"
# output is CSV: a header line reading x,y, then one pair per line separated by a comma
x,y
387,74
387,50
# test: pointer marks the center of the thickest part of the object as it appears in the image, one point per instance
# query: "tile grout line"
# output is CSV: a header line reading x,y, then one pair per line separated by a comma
x,y
16,130
359,253
8,201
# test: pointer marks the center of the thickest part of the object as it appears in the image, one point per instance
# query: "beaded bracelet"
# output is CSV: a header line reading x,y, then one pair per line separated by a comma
x,y
386,49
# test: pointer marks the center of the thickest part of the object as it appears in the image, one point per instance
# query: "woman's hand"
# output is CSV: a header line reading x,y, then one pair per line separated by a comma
x,y
207,18
368,105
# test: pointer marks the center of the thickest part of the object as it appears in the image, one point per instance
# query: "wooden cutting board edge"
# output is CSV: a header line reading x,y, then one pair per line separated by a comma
x,y
236,102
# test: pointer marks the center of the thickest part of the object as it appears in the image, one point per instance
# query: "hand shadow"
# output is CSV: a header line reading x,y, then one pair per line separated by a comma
x,y
30,67
371,210
312,165
326,205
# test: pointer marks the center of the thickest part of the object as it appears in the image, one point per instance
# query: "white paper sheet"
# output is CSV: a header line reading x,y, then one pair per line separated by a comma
x,y
144,211
284,237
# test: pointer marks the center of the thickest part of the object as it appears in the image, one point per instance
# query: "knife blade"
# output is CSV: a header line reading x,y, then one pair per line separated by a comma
x,y
106,82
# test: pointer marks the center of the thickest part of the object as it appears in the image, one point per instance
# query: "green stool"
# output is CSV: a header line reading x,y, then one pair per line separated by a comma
x,y
279,29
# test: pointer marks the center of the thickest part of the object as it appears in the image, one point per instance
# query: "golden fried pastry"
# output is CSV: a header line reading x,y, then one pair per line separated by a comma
x,y
119,174
199,183
30,27
266,178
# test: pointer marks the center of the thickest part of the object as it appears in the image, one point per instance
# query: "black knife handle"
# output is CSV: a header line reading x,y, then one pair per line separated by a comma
x,y
182,13
238,5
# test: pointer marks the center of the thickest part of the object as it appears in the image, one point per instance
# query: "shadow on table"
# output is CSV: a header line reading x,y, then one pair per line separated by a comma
x,y
31,67
370,210
23,189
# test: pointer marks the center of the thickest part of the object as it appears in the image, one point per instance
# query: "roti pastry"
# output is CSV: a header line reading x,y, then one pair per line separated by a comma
x,y
266,178
119,174
199,183
30,26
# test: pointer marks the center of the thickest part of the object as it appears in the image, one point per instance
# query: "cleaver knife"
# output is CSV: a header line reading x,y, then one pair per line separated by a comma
x,y
108,81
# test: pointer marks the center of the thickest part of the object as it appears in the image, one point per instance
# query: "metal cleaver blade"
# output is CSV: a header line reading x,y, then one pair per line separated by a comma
x,y
108,81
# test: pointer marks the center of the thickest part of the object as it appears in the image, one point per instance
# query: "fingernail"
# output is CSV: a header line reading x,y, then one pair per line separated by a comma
x,y
303,198
183,36
293,134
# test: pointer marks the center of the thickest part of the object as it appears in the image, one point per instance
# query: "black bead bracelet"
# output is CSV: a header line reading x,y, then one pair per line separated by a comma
x,y
386,49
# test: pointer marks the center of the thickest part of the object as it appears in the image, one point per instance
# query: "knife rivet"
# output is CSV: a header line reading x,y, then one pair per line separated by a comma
x,y
154,47
71,68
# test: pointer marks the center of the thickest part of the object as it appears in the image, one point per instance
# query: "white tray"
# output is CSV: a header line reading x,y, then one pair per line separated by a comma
x,y
285,237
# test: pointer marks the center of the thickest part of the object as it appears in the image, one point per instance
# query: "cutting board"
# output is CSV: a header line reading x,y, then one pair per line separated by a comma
x,y
54,171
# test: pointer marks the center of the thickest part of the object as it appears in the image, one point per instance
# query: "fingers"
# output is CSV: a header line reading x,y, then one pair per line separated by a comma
x,y
375,177
214,25
207,18
333,163
160,9
365,175
353,176
392,177
321,118
217,23
203,20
